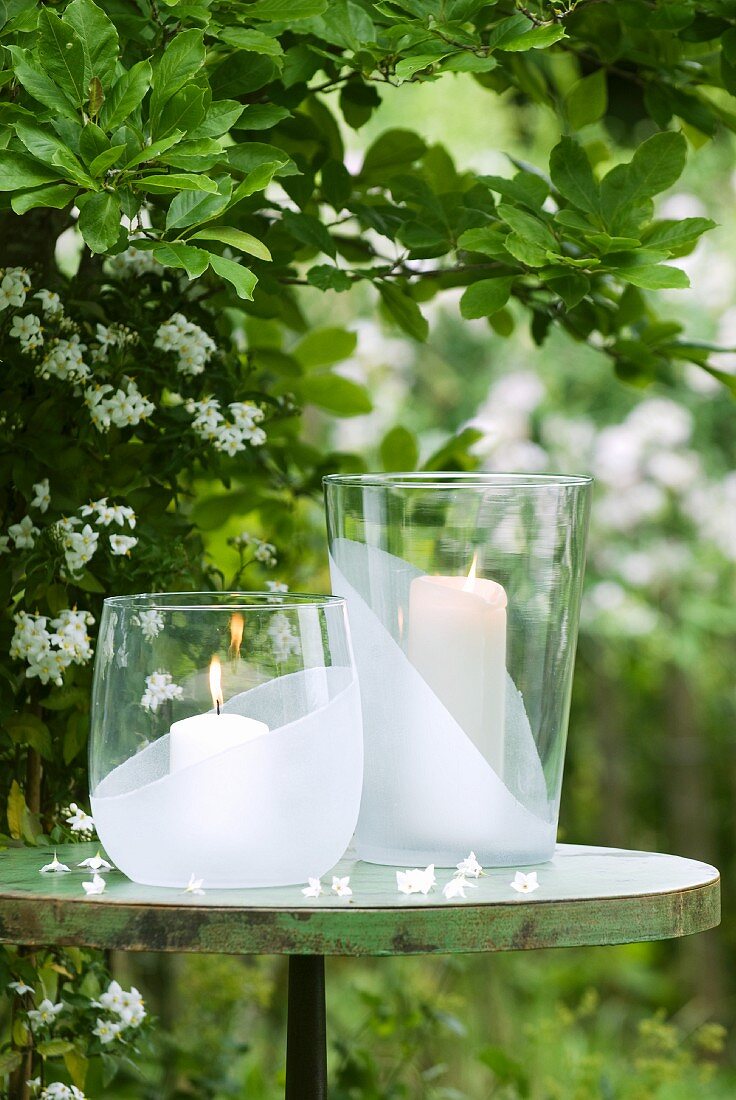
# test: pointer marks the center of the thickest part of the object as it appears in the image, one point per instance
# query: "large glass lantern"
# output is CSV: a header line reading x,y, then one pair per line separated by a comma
x,y
226,738
463,592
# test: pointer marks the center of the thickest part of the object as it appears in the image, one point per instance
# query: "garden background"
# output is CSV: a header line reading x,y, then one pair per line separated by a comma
x,y
411,309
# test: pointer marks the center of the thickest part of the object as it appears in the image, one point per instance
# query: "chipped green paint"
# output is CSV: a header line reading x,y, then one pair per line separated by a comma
x,y
587,896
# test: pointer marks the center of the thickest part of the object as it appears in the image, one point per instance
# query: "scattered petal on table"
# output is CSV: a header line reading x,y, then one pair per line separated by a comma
x,y
469,867
341,886
54,867
416,881
314,889
96,886
455,888
525,884
194,886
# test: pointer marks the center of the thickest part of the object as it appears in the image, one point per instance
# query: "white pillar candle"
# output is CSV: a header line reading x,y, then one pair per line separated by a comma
x,y
457,641
195,739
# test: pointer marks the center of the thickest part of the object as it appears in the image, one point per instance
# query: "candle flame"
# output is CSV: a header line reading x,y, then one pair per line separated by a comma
x,y
237,624
470,582
216,683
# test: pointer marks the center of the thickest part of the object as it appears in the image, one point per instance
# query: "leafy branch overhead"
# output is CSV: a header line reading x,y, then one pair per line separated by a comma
x,y
211,135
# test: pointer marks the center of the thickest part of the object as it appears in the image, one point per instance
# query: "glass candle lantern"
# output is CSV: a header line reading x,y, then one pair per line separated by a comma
x,y
463,592
226,737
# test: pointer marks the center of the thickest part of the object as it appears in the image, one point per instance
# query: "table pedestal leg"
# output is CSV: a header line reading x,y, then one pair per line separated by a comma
x,y
306,1034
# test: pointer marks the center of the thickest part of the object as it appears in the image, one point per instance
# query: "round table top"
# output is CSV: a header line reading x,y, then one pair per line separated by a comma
x,y
585,896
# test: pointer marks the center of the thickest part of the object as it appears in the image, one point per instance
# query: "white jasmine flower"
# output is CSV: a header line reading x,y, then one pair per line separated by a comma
x,y
24,534
50,302
48,667
58,1091
112,998
106,1030
160,687
193,346
96,863
525,884
194,886
314,889
21,988
277,586
14,286
150,622
54,867
283,639
455,888
341,886
416,881
122,544
42,499
133,262
45,1014
80,547
64,359
265,553
28,330
469,867
79,821
96,886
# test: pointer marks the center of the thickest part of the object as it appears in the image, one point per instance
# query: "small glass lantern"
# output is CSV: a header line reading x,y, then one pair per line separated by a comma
x,y
226,737
463,592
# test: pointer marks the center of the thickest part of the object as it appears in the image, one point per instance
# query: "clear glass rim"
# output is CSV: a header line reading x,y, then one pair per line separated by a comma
x,y
224,601
441,479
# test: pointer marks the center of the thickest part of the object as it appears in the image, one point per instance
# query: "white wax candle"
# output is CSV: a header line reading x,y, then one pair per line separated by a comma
x,y
194,739
457,641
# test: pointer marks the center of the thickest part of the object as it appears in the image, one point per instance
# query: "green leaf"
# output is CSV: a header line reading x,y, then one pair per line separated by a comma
x,y
336,394
241,278
98,37
16,810
309,231
392,151
55,196
655,166
99,220
63,55
18,170
125,96
573,177
40,86
327,277
539,38
526,251
654,277
404,310
571,288
526,225
27,729
42,143
286,10
9,1061
155,149
587,100
245,38
486,297
246,242
399,450
176,182
183,111
192,207
221,117
182,58
256,180
194,261
325,346
105,160
677,234
54,1047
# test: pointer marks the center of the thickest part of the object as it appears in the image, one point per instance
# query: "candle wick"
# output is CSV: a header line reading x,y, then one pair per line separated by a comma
x,y
217,704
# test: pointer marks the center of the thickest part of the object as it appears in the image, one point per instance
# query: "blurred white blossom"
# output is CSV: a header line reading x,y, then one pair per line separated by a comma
x,y
160,688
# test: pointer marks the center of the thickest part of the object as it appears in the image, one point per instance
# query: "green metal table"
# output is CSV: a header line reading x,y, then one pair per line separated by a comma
x,y
586,896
